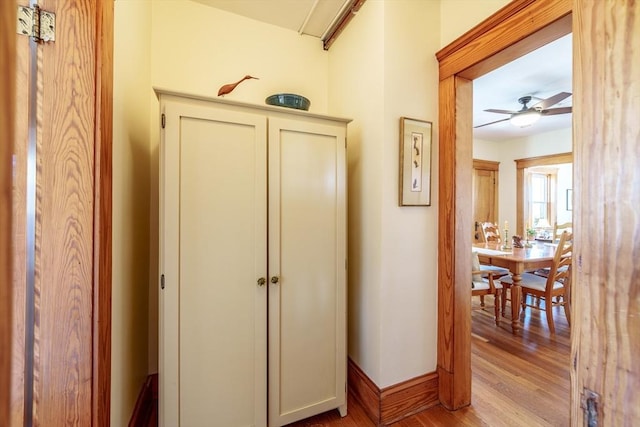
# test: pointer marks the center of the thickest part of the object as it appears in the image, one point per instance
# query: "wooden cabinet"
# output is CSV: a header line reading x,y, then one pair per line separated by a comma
x,y
253,263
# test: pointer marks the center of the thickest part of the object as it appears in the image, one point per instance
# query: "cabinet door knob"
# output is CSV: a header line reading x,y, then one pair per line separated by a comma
x,y
262,281
275,279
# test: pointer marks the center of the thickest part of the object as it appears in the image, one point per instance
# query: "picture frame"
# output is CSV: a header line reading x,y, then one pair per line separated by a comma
x,y
569,199
415,162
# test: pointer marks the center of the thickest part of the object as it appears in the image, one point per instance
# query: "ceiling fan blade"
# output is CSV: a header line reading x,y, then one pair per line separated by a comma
x,y
555,111
492,110
490,123
553,100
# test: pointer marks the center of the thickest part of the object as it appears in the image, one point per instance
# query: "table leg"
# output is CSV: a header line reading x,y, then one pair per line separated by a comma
x,y
516,300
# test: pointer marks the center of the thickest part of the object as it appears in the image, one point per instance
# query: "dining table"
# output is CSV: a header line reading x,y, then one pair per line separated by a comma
x,y
533,256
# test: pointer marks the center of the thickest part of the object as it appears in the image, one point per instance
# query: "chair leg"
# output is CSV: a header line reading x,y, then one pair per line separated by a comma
x,y
548,309
482,301
504,300
567,311
497,305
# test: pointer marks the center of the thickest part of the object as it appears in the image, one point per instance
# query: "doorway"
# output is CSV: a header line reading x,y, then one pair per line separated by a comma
x,y
460,63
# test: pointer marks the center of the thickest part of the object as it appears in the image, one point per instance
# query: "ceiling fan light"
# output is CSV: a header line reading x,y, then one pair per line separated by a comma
x,y
524,119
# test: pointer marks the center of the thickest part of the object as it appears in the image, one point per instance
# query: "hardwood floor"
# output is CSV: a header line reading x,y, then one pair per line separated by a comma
x,y
517,380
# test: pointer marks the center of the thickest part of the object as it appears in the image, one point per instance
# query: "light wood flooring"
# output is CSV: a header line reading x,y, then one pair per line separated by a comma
x,y
517,380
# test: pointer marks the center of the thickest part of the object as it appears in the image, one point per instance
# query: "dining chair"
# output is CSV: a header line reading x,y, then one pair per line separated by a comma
x,y
558,229
557,285
491,232
483,283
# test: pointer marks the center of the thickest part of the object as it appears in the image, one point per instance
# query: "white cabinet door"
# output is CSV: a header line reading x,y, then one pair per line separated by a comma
x,y
213,361
307,254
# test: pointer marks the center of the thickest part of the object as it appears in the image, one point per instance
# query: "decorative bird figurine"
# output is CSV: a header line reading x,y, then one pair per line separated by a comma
x,y
225,89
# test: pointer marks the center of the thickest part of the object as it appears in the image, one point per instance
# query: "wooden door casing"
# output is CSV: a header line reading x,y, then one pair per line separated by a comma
x,y
518,28
484,196
605,180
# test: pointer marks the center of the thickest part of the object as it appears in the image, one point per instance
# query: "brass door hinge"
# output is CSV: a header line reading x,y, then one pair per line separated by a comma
x,y
36,23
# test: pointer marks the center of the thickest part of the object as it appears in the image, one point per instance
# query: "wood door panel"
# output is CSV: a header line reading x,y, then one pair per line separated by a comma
x,y
64,220
213,230
7,134
485,196
19,237
307,369
606,294
69,81
221,257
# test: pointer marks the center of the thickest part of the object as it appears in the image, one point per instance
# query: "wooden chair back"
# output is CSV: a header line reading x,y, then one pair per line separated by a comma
x,y
559,228
560,271
490,232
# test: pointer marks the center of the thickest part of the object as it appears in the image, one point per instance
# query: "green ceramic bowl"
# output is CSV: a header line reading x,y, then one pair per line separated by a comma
x,y
290,100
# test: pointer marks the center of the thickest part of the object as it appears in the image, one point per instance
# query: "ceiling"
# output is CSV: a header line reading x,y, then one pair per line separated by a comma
x,y
310,17
541,74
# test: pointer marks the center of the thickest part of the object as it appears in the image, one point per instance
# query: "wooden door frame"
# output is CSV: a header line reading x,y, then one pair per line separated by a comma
x,y
102,242
515,30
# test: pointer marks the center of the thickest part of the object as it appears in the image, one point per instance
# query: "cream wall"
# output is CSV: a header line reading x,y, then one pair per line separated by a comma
x,y
131,169
381,68
356,76
506,152
459,16
197,49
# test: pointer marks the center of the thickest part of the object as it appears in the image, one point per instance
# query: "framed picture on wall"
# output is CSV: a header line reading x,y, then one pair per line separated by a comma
x,y
415,162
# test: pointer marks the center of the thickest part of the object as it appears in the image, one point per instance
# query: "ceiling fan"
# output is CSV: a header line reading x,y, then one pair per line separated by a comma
x,y
526,116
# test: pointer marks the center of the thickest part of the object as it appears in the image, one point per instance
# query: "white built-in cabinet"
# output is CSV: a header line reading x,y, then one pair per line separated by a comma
x,y
252,263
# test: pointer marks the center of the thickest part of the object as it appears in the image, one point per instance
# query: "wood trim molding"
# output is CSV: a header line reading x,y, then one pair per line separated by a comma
x,y
334,32
488,165
454,239
391,404
146,408
497,36
517,29
470,36
102,263
553,159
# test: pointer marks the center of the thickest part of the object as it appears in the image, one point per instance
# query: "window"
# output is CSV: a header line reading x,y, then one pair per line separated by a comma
x,y
540,206
541,184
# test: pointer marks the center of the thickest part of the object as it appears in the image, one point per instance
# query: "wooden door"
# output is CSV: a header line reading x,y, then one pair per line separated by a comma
x,y
61,344
213,311
605,375
7,126
307,254
484,196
